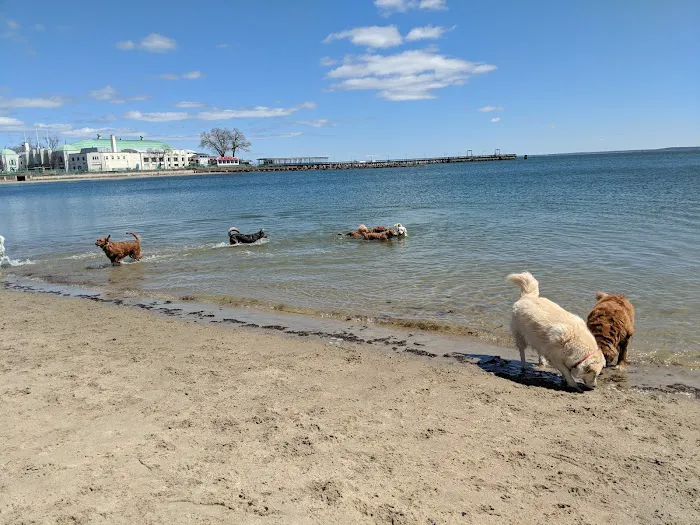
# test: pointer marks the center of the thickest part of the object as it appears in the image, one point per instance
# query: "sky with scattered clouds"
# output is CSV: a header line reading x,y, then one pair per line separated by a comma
x,y
354,79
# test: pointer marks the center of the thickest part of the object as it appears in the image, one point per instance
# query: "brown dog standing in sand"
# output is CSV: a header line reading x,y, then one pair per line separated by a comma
x,y
612,324
117,250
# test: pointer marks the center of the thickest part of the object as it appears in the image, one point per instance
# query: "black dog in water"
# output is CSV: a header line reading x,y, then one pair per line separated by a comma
x,y
236,237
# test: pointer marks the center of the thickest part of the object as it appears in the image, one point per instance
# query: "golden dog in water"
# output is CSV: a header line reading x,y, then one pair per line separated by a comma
x,y
612,324
118,250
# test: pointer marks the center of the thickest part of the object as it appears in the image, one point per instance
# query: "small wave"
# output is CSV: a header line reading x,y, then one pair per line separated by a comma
x,y
86,255
259,242
6,262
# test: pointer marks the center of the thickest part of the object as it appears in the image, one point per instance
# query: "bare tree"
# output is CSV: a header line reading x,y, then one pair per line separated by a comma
x,y
52,141
238,141
218,139
32,145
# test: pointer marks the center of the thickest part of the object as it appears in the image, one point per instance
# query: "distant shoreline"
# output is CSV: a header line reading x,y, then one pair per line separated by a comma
x,y
345,165
679,149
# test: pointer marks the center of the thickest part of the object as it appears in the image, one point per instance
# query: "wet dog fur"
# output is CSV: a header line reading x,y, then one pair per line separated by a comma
x,y
118,250
378,233
611,322
236,237
558,336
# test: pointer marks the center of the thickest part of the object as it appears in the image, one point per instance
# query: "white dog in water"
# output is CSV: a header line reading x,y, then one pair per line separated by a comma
x,y
560,337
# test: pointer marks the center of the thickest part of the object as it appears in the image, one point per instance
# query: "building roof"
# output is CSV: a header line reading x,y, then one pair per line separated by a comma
x,y
8,151
66,147
138,145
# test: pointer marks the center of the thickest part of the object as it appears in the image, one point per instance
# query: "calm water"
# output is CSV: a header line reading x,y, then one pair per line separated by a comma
x,y
580,223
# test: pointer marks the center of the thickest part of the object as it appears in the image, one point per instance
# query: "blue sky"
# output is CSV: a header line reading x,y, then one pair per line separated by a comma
x,y
354,79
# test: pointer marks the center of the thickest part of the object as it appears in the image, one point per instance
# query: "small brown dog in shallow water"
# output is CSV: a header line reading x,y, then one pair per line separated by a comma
x,y
117,250
612,324
378,233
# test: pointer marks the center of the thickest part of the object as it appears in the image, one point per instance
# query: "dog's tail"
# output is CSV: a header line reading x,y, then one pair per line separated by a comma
x,y
527,283
138,239
234,229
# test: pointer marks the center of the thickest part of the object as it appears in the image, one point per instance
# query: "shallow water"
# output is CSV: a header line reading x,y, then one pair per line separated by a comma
x,y
580,223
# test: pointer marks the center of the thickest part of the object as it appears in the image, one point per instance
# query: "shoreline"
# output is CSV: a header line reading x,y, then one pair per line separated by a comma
x,y
114,415
344,165
488,354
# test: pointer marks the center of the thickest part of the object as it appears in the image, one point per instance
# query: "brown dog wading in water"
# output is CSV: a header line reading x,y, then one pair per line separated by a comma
x,y
117,250
612,324
378,233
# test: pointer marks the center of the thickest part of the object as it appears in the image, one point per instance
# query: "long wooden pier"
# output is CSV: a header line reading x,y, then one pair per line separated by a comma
x,y
354,164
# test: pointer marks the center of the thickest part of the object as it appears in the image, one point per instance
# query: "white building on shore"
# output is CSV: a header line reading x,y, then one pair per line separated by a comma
x,y
9,160
94,155
119,155
26,159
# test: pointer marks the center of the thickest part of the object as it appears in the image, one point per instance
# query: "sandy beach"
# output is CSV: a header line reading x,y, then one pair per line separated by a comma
x,y
110,414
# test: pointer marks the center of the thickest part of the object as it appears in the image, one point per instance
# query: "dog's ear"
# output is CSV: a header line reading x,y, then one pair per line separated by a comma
x,y
107,238
600,295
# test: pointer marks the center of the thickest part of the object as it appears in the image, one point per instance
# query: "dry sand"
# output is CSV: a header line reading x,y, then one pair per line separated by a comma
x,y
113,415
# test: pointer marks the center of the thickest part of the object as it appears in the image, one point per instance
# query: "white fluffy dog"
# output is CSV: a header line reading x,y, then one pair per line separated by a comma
x,y
560,337
401,229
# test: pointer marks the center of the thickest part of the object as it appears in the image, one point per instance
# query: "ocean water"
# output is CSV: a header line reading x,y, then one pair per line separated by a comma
x,y
625,223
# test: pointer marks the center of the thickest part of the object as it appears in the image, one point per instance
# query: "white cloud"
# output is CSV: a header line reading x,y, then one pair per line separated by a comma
x,y
192,75
489,109
401,6
153,43
126,45
84,132
433,4
371,36
255,112
426,33
189,104
409,75
106,93
167,116
9,122
13,25
39,27
110,94
44,103
59,128
496,119
319,123
328,61
222,46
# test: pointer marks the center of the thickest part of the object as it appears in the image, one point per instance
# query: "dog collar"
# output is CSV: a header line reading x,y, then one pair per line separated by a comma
x,y
585,357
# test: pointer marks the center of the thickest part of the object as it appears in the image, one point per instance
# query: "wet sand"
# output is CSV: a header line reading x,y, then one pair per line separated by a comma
x,y
130,414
